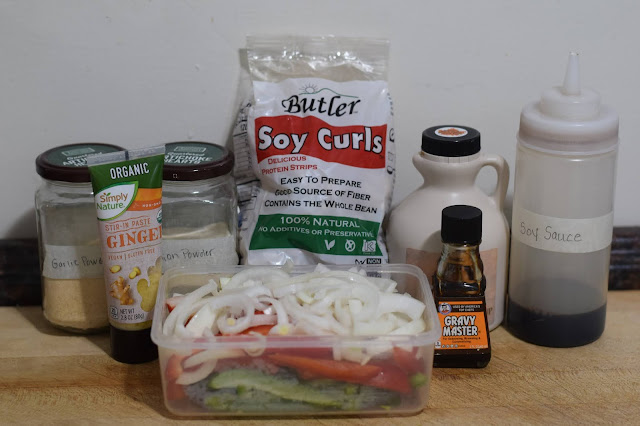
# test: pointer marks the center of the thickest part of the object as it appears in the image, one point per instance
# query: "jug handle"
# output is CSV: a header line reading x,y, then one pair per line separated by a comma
x,y
502,169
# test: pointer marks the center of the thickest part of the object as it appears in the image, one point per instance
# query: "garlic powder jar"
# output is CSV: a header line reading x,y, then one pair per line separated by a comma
x,y
73,295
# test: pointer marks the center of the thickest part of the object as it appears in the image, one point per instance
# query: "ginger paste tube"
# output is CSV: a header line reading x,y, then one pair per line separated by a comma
x,y
127,187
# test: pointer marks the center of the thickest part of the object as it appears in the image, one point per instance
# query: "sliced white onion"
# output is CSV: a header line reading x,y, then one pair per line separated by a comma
x,y
190,377
305,297
224,281
184,315
370,300
353,354
229,325
322,306
281,313
402,303
411,328
298,313
185,304
342,314
201,321
310,287
337,353
385,285
260,346
380,347
265,275
210,355
262,319
321,302
355,307
305,327
335,326
379,326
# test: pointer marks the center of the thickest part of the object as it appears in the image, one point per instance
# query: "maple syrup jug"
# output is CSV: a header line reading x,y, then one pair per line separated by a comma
x,y
449,162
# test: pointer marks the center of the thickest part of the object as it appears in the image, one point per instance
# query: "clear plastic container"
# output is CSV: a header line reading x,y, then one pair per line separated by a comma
x,y
391,354
200,207
73,292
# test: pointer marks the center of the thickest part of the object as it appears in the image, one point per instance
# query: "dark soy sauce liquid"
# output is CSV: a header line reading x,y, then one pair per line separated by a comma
x,y
558,331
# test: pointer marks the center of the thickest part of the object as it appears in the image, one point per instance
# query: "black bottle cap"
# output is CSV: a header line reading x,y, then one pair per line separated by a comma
x,y
132,346
461,225
451,141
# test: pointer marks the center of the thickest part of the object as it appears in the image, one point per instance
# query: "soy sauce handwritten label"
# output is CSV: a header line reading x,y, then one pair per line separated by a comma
x,y
561,234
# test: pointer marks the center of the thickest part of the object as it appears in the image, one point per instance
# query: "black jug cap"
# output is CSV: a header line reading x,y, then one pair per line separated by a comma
x,y
461,224
451,141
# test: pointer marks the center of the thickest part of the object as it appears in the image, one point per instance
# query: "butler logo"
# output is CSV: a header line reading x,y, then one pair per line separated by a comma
x,y
321,100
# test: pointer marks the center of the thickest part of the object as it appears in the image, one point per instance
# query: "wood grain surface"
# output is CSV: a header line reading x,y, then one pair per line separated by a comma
x,y
50,377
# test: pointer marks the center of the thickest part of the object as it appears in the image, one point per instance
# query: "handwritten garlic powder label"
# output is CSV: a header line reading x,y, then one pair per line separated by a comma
x,y
560,234
72,262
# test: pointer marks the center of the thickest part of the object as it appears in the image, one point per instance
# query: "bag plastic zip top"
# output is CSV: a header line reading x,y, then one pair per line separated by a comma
x,y
319,151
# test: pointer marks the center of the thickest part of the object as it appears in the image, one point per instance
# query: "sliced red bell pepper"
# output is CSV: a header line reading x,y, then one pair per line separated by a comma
x,y
318,353
260,329
306,375
172,302
328,368
381,375
175,392
174,367
391,377
172,371
408,361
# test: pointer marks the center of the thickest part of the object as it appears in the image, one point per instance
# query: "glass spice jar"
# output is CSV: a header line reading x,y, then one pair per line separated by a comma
x,y
200,206
73,290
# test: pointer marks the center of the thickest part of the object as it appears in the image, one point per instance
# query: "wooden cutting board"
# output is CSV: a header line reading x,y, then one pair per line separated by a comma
x,y
47,376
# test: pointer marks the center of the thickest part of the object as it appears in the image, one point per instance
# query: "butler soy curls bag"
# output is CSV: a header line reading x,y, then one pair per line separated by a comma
x,y
315,151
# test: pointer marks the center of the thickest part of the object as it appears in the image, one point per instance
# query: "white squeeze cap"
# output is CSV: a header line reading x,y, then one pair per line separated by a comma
x,y
571,84
569,118
570,102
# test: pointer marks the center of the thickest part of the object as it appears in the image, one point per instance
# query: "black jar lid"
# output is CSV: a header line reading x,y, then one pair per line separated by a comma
x,y
189,161
68,163
451,141
461,224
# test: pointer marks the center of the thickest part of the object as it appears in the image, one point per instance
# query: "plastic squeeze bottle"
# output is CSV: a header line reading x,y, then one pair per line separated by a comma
x,y
449,162
562,216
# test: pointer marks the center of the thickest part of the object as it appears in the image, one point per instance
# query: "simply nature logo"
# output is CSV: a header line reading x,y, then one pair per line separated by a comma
x,y
111,202
323,101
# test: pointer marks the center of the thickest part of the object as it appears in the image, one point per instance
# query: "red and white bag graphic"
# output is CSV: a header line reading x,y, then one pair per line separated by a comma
x,y
315,151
